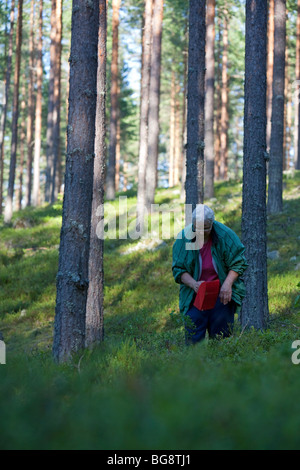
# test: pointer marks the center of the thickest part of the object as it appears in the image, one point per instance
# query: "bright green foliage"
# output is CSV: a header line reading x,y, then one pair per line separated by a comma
x,y
142,388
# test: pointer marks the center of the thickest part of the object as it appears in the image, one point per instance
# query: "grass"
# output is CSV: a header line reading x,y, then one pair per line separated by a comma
x,y
142,388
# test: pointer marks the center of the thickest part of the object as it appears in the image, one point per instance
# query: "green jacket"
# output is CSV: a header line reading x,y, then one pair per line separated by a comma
x,y
227,254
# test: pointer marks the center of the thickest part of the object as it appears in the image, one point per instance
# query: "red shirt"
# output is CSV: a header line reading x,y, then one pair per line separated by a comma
x,y
208,271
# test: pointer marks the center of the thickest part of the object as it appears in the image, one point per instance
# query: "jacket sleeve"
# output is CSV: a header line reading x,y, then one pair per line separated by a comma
x,y
178,264
235,255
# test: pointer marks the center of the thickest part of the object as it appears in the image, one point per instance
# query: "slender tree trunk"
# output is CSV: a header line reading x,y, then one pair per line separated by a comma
x,y
38,114
218,106
297,92
224,102
289,112
184,117
5,99
118,153
172,131
110,183
22,144
177,136
52,73
144,111
57,102
254,218
53,116
276,146
286,90
94,309
270,70
209,100
14,139
72,277
195,111
154,100
30,117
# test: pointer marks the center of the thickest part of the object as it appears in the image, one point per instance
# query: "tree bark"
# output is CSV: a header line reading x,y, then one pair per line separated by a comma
x,y
22,143
154,100
195,104
270,70
209,154
49,151
53,116
5,99
254,219
110,183
72,277
218,105
144,111
177,152
184,115
30,117
276,146
94,308
224,101
57,101
297,92
172,131
38,114
14,139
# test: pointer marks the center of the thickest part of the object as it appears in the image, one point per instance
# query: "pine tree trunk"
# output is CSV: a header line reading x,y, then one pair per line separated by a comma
x,y
209,153
49,151
144,110
195,104
14,139
224,102
111,170
254,218
38,114
72,277
57,99
22,143
177,136
118,154
286,86
297,92
218,106
270,59
30,117
53,116
184,117
289,112
172,131
154,100
5,99
94,308
276,146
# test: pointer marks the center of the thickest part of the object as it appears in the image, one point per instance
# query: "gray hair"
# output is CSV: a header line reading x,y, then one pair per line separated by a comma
x,y
203,213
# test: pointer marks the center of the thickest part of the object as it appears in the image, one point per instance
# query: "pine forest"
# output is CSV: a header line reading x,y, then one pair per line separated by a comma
x,y
149,227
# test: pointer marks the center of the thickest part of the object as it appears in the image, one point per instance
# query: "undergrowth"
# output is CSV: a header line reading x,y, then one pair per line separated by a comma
x,y
142,388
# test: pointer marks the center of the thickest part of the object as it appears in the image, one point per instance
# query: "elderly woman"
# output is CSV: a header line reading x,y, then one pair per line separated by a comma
x,y
207,250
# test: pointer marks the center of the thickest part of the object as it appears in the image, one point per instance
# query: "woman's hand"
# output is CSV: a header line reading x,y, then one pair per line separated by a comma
x,y
189,281
226,293
197,285
226,289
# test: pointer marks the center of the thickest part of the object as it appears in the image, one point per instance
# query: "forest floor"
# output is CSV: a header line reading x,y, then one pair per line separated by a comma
x,y
142,388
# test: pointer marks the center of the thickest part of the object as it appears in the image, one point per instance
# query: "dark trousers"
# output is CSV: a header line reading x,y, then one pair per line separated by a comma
x,y
218,322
